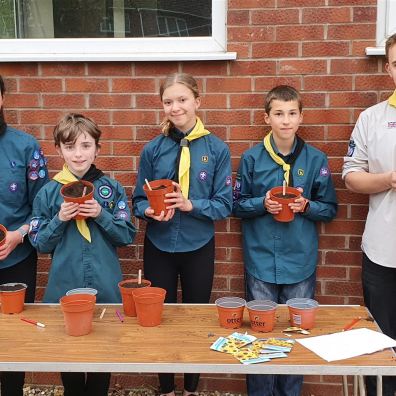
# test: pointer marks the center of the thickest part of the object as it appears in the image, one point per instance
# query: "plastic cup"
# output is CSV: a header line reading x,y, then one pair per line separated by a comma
x,y
262,315
302,312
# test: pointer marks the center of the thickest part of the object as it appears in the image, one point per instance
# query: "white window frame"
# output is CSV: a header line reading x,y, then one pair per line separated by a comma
x,y
125,49
386,25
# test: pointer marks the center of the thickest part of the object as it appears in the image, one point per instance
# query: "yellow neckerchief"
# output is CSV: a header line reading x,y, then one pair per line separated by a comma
x,y
276,158
392,99
184,164
64,177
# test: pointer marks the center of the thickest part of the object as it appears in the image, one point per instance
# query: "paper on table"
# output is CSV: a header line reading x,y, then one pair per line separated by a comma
x,y
347,344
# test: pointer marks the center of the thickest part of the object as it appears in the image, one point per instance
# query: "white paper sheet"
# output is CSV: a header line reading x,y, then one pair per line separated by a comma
x,y
347,344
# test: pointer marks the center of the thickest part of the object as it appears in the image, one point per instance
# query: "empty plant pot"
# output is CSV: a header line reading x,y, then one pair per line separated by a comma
x,y
78,192
3,234
157,193
78,312
230,310
12,296
302,312
291,194
262,315
149,302
126,288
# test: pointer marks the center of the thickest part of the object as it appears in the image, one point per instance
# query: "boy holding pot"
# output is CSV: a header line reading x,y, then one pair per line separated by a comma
x,y
84,252
280,257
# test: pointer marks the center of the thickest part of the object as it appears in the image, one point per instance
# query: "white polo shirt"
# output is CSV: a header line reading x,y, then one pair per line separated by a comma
x,y
372,148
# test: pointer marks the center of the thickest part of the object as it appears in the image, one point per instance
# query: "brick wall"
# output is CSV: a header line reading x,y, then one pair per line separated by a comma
x,y
317,47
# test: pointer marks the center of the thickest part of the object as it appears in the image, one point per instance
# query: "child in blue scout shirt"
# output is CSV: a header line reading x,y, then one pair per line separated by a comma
x,y
23,173
84,252
181,242
280,258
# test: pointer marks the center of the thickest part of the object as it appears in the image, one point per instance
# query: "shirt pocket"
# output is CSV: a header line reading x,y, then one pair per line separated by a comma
x,y
13,186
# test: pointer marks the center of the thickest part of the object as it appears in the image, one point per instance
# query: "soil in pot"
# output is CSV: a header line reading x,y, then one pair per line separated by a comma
x,y
286,196
134,285
14,287
2,235
77,189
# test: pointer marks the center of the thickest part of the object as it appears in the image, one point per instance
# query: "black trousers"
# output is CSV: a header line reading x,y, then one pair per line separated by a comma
x,y
196,270
86,384
23,272
379,292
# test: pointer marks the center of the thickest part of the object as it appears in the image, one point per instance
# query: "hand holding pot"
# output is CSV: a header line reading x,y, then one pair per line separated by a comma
x,y
176,200
13,239
90,208
299,203
149,212
68,211
272,207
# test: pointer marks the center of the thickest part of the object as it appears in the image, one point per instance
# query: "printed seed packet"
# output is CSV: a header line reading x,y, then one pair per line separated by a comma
x,y
232,343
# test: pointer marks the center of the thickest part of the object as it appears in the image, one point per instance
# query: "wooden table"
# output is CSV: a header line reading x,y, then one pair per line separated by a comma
x,y
180,344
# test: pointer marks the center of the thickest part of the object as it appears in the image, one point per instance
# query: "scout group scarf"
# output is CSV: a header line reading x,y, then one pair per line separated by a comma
x,y
292,158
392,99
183,161
65,176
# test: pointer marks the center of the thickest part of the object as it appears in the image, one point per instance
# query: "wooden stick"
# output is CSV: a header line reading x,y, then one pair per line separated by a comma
x,y
284,188
148,185
140,277
84,191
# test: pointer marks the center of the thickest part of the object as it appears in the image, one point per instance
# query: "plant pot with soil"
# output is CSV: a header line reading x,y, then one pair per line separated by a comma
x,y
12,297
78,192
126,288
291,194
156,195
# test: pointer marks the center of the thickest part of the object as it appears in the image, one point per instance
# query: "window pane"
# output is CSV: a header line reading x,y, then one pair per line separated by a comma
x,y
105,18
7,19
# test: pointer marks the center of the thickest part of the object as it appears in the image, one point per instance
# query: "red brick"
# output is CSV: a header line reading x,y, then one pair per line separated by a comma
x,y
18,69
237,17
63,101
236,84
250,4
155,68
87,85
228,117
323,116
352,2
63,69
204,69
274,50
22,100
246,133
127,148
345,227
133,85
351,31
359,47
251,33
302,66
253,68
348,99
365,14
134,117
40,116
343,288
99,101
347,66
328,83
40,85
109,69
300,33
325,48
301,3
368,82
311,132
275,17
243,50
328,272
267,83
328,15
247,101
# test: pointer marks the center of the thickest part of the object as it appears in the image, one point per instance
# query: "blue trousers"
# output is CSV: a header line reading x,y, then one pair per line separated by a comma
x,y
276,385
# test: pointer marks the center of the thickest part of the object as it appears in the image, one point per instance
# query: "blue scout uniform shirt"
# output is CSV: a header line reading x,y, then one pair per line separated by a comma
x,y
210,191
23,173
276,252
75,261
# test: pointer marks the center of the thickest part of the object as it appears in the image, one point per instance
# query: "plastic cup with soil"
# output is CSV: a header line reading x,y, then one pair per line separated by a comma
x,y
3,234
78,312
156,195
12,297
149,303
291,194
230,311
262,315
302,312
126,288
78,192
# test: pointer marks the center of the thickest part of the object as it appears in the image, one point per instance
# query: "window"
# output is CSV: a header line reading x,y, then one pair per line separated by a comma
x,y
75,30
386,25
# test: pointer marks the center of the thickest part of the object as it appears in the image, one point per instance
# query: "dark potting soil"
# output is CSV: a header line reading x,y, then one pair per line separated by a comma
x,y
161,187
286,196
133,285
16,287
2,235
76,190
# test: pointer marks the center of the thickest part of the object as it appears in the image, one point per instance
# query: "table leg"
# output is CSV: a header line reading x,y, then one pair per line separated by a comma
x,y
345,385
379,385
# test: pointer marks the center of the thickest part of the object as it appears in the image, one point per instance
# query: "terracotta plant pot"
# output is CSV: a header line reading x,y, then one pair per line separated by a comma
x,y
12,297
3,234
302,312
230,310
276,194
262,315
126,288
149,302
156,196
78,312
73,192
